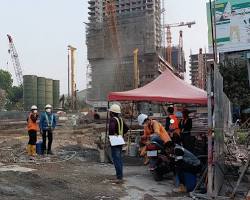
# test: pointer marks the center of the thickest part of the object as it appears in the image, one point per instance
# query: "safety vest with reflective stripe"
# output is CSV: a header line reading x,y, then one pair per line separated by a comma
x,y
120,126
49,123
174,124
32,126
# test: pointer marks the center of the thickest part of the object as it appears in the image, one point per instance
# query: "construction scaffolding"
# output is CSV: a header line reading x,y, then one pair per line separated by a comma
x,y
114,31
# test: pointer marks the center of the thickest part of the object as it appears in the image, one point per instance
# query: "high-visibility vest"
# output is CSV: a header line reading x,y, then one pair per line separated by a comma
x,y
120,126
49,122
174,124
32,126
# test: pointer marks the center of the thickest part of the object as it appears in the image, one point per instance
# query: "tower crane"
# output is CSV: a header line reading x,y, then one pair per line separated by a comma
x,y
15,60
110,11
169,37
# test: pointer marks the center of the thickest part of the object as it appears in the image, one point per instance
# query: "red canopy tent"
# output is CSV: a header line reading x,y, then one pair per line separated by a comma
x,y
165,88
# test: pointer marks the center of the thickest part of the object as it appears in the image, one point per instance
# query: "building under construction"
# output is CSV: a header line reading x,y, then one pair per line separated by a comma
x,y
198,71
116,30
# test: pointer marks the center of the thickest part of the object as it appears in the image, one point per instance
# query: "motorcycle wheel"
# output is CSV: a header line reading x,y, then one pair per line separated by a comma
x,y
157,175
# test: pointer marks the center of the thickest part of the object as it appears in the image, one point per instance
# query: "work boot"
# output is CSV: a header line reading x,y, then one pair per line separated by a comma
x,y
180,189
118,181
33,150
50,152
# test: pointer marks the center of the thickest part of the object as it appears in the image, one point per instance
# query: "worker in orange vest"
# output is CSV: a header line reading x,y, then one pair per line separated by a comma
x,y
172,125
32,127
153,131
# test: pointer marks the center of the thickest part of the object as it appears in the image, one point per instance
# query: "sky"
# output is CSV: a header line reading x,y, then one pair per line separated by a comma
x,y
42,30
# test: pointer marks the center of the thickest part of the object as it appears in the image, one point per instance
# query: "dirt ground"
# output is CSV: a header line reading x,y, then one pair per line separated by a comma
x,y
74,172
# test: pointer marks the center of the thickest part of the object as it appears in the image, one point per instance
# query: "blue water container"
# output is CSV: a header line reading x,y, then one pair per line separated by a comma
x,y
190,181
39,145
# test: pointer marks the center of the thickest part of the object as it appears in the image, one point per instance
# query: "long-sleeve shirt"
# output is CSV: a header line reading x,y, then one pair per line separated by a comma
x,y
113,126
47,121
185,155
185,125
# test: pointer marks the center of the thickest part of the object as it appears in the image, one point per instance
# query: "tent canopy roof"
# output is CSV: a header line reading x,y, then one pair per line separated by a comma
x,y
165,88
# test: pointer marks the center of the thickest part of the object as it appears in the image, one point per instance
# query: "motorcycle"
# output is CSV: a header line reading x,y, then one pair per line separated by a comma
x,y
159,161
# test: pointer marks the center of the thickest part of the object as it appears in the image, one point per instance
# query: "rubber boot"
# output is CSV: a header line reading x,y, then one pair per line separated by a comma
x,y
33,147
29,150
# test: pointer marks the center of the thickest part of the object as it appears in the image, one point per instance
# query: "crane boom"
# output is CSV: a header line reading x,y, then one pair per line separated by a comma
x,y
15,61
169,37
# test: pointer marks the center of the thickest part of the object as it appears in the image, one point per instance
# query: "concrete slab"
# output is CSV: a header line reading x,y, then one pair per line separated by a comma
x,y
15,168
139,185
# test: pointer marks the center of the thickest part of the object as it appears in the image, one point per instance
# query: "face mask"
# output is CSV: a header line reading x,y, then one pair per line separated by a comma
x,y
35,111
48,110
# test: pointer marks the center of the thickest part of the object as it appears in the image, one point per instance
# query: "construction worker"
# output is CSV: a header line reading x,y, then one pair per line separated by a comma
x,y
117,127
47,125
172,125
185,162
153,130
32,127
185,126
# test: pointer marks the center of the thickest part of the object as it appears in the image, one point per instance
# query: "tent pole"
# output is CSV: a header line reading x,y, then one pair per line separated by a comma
x,y
106,133
130,128
163,109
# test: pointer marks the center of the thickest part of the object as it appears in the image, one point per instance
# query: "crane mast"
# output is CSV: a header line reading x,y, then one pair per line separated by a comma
x,y
15,61
110,12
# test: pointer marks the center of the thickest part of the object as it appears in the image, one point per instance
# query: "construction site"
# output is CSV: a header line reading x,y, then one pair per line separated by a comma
x,y
134,70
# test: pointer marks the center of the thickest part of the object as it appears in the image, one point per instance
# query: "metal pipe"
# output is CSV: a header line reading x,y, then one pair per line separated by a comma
x,y
106,133
210,189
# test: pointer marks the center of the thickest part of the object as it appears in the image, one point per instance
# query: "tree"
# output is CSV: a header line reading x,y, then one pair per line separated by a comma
x,y
15,98
13,95
2,99
236,84
5,80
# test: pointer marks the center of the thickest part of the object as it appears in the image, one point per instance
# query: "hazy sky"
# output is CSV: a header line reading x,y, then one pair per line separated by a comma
x,y
42,29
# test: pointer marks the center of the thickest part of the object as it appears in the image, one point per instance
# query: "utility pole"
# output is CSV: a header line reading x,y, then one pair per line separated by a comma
x,y
68,74
72,70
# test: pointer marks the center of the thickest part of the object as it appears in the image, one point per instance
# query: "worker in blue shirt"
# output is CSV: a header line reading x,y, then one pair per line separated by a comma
x,y
47,125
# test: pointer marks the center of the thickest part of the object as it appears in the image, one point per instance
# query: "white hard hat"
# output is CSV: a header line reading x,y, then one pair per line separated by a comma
x,y
115,108
141,118
48,106
33,107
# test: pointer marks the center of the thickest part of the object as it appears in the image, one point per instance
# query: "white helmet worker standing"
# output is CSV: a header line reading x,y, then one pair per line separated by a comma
x,y
32,127
117,127
47,126
115,108
141,118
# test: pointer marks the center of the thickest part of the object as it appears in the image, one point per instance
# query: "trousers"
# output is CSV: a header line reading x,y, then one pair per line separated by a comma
x,y
45,134
32,137
116,152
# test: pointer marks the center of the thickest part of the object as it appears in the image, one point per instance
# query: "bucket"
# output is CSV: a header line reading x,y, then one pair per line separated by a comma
x,y
39,147
190,181
133,150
